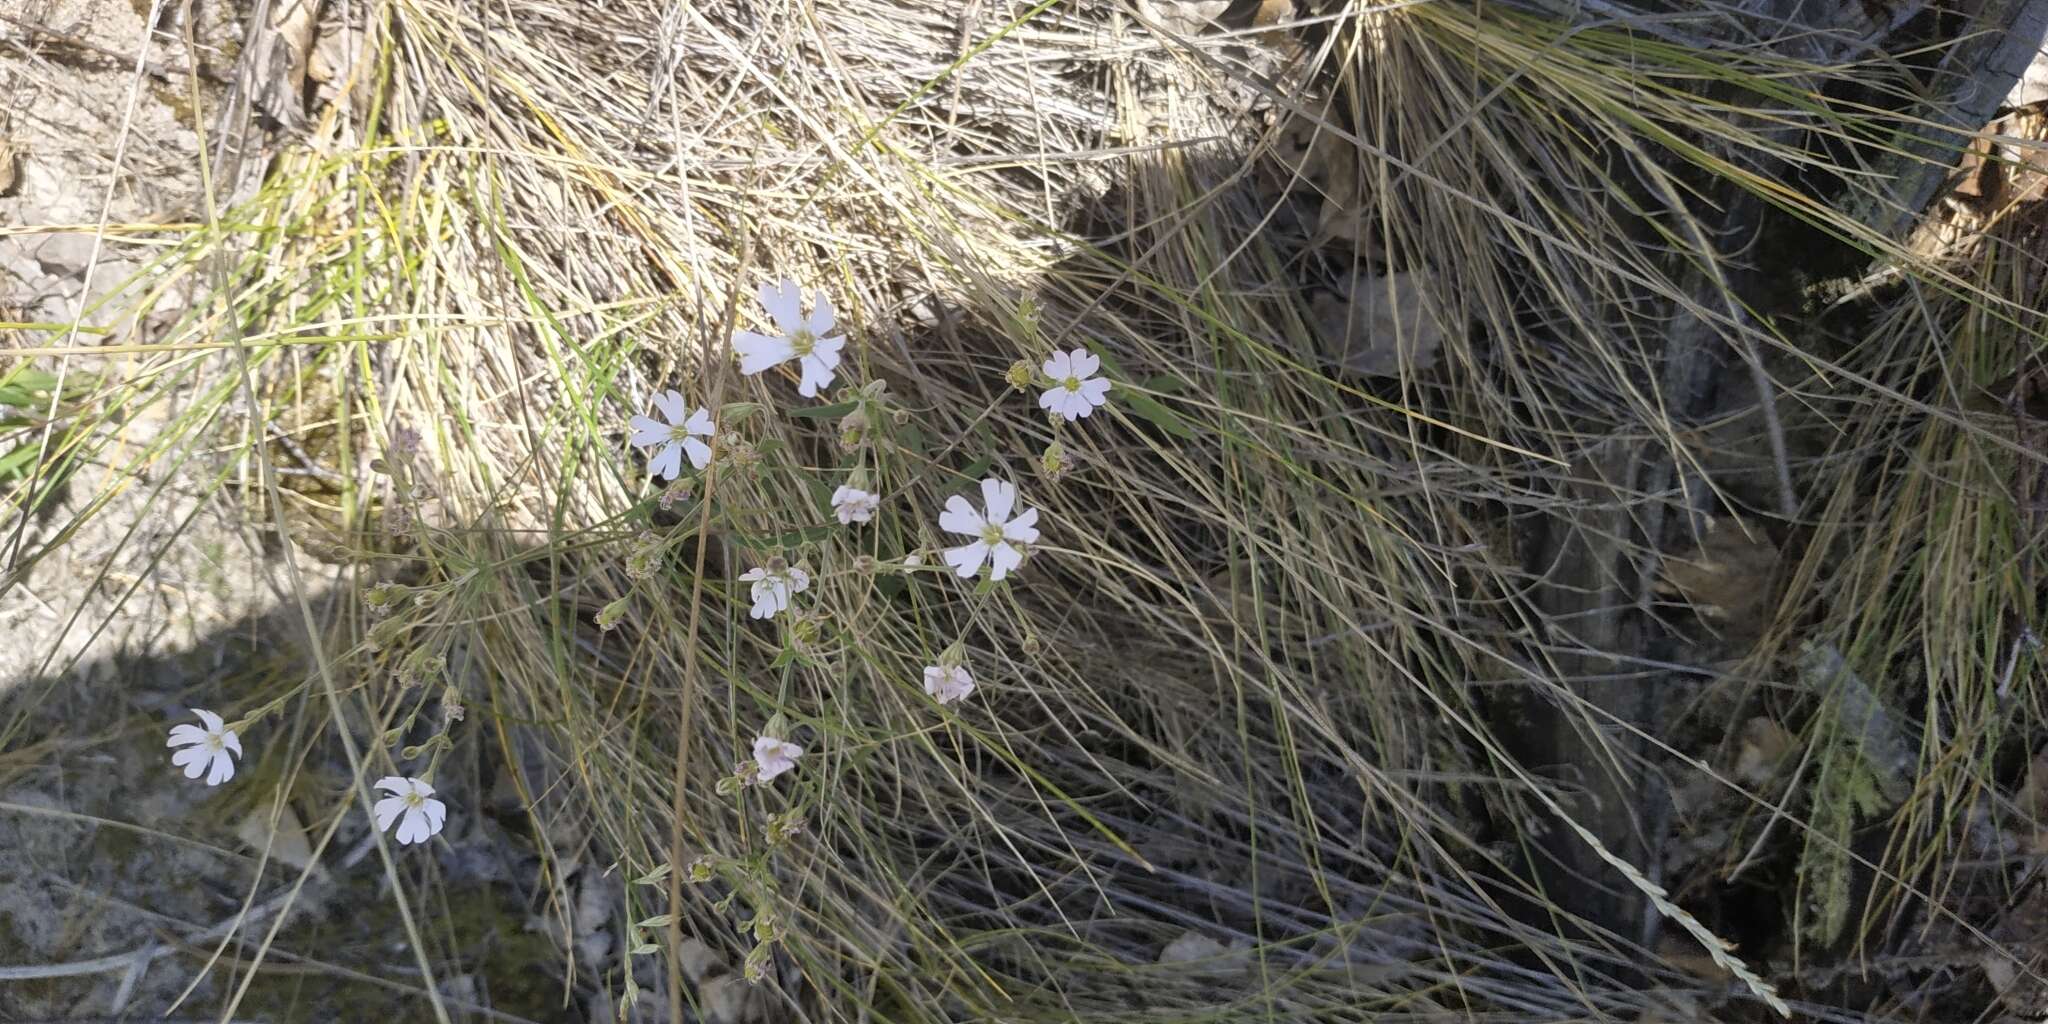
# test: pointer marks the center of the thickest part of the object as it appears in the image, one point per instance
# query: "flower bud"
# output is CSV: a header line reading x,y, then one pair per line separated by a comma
x,y
755,969
609,616
704,868
386,632
1018,375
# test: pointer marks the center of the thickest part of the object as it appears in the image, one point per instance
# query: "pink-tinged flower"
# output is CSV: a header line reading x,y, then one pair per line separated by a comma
x,y
948,683
772,589
412,805
773,755
809,341
210,751
853,505
676,438
1075,390
999,539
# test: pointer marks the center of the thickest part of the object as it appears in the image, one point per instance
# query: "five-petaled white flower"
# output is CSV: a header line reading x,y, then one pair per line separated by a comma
x,y
948,683
771,590
1075,391
853,505
999,539
774,755
414,799
677,437
207,751
809,341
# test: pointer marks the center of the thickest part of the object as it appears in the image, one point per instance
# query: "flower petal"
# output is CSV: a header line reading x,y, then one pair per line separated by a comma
x,y
812,375
1000,496
648,431
821,314
232,742
192,759
1084,362
1002,558
765,606
185,735
698,451
387,811
1058,366
394,785
829,348
966,560
212,721
1095,390
1050,399
437,815
220,769
1023,529
1063,403
667,462
759,351
799,580
412,828
671,405
753,575
960,517
782,301
700,423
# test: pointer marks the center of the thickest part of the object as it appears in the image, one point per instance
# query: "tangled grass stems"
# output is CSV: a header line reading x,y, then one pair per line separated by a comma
x,y
1234,690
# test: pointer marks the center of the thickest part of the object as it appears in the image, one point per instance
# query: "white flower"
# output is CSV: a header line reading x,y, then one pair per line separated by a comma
x,y
413,798
999,540
1075,391
210,751
774,756
771,590
677,437
912,560
853,505
809,341
948,683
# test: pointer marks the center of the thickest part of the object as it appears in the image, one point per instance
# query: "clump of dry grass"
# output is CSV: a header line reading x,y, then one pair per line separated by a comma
x,y
1263,679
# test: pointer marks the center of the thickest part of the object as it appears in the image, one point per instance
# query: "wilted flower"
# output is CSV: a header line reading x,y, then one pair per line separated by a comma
x,y
948,683
773,756
677,437
412,798
809,341
999,539
772,588
210,751
853,505
1075,391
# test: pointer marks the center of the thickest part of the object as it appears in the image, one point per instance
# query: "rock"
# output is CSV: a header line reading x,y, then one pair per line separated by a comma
x,y
1379,326
2033,84
285,838
1192,946
66,252
1186,17
728,999
699,961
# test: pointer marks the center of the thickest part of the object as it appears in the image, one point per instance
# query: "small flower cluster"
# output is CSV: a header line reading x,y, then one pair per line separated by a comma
x,y
999,533
210,749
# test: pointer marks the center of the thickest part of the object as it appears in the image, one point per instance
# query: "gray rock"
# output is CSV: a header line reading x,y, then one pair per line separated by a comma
x,y
66,252
2033,85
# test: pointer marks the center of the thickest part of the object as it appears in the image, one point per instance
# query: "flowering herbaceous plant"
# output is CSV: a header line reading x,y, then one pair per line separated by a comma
x,y
737,461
